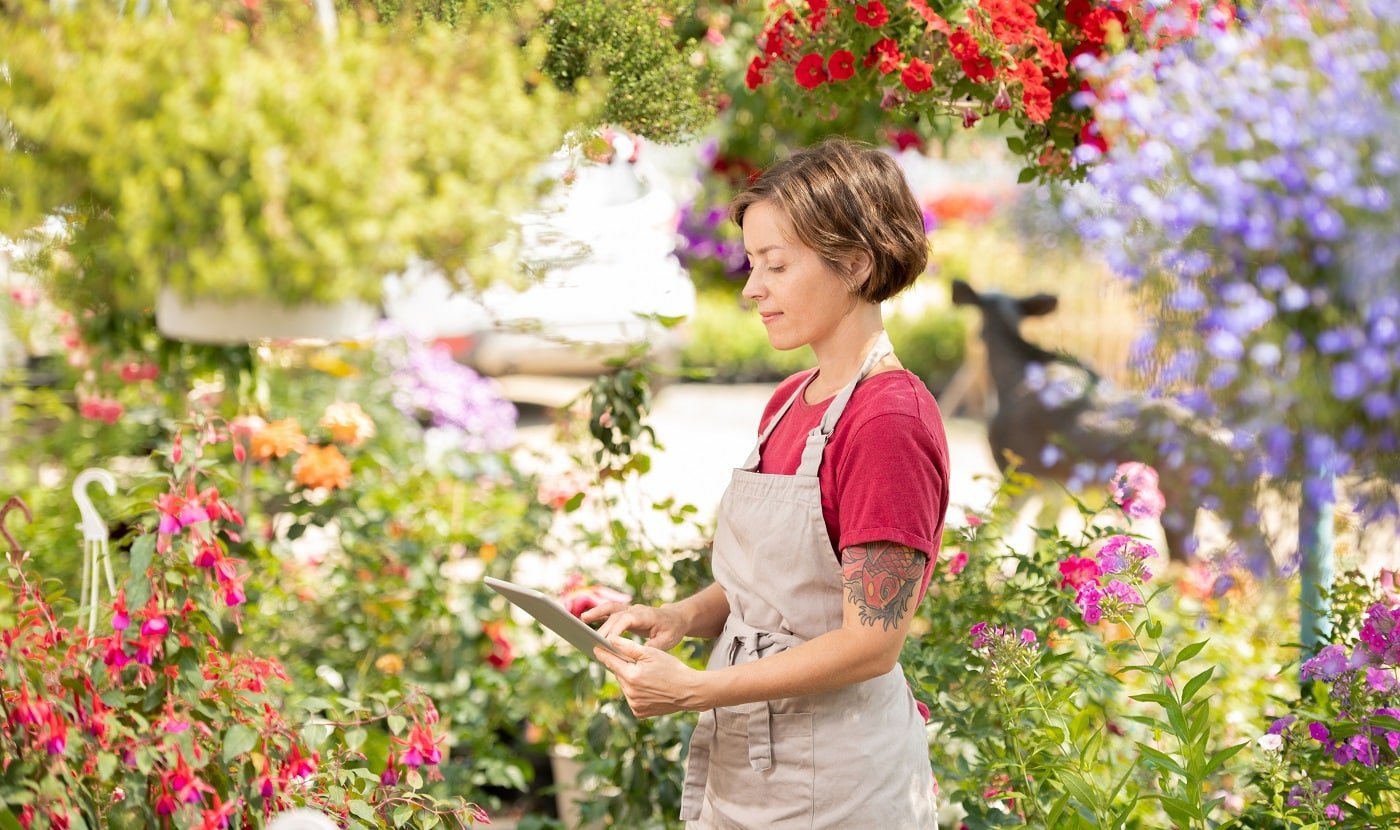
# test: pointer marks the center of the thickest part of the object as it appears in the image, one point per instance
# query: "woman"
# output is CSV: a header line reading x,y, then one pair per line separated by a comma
x,y
824,537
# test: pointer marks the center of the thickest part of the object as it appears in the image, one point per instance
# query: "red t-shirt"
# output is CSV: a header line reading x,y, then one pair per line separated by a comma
x,y
884,476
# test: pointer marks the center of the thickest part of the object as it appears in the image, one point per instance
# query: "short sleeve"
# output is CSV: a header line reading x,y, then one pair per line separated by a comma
x,y
891,485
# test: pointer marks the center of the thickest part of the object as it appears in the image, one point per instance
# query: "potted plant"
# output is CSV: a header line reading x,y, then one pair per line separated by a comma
x,y
243,158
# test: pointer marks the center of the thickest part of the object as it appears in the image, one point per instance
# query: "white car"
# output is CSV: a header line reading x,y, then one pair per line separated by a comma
x,y
606,243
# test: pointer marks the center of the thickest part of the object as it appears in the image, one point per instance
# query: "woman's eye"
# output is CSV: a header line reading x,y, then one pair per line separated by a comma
x,y
777,269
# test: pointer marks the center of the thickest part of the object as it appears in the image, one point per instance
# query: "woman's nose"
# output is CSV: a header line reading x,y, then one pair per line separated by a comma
x,y
753,286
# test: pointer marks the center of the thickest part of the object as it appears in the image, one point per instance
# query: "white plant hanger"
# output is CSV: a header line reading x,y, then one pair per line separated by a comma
x,y
96,556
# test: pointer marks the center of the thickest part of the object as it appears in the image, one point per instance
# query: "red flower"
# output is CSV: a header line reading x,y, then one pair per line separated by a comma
x,y
975,65
810,71
884,53
873,14
579,596
917,76
502,655
959,562
1077,570
817,14
1011,20
1090,135
754,78
841,65
932,18
1037,102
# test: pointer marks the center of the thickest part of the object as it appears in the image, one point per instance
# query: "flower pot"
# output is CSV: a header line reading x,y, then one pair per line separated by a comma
x,y
566,769
253,319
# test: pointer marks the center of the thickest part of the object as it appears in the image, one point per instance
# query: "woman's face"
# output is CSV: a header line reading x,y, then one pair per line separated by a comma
x,y
800,300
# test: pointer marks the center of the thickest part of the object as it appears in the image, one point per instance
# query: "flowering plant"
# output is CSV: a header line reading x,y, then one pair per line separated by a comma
x,y
1335,757
1080,711
152,719
1248,185
1013,59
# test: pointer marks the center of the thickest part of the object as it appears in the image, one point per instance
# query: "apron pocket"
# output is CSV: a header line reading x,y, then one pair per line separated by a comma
x,y
780,797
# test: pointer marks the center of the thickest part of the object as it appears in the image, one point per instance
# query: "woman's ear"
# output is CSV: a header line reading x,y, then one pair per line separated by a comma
x,y
860,266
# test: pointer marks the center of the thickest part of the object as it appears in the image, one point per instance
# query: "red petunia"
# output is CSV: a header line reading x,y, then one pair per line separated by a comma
x,y
933,19
885,54
975,65
1037,101
873,14
754,78
917,76
811,71
841,65
817,12
1012,20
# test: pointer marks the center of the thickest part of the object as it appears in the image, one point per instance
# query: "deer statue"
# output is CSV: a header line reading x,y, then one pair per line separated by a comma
x,y
1054,413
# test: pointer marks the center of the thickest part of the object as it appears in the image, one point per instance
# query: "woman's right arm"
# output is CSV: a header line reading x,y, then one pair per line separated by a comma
x,y
700,615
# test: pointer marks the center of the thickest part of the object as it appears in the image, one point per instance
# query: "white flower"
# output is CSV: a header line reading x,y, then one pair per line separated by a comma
x,y
1271,743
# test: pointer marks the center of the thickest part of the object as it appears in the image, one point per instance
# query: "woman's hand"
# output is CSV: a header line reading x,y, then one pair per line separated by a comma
x,y
654,682
663,627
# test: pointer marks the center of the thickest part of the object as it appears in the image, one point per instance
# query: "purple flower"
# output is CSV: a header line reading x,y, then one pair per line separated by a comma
x,y
1281,724
1329,664
1123,592
1319,731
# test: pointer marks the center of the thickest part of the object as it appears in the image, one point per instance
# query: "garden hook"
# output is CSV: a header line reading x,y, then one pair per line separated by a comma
x,y
95,553
13,503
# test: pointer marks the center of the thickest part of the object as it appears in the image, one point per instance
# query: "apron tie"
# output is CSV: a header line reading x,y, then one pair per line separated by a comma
x,y
752,644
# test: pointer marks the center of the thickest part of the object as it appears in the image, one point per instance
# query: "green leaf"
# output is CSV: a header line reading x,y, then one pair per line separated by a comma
x,y
1160,759
402,815
238,740
1189,651
1194,684
106,765
1218,758
1079,788
363,810
8,821
355,738
397,723
430,820
316,734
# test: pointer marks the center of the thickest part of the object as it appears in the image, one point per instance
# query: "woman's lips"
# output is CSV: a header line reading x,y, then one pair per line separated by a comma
x,y
769,316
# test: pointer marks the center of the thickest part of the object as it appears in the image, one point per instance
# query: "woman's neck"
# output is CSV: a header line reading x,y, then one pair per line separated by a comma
x,y
840,355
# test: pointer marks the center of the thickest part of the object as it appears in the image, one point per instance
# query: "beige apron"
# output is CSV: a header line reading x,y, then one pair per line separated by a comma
x,y
853,757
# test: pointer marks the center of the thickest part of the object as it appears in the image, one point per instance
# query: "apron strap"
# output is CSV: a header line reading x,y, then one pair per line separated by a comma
x,y
816,439
752,463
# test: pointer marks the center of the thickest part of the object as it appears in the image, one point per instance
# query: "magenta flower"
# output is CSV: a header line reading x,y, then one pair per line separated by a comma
x,y
1134,487
956,565
1319,731
1123,592
1078,571
154,627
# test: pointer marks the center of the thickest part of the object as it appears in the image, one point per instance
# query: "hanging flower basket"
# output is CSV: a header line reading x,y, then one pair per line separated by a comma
x,y
268,161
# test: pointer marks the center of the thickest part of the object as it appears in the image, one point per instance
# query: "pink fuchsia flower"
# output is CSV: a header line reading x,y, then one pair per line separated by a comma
x,y
1329,664
1135,488
1078,570
958,562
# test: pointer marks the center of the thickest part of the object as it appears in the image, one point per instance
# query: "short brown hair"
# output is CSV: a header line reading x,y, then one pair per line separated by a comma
x,y
845,198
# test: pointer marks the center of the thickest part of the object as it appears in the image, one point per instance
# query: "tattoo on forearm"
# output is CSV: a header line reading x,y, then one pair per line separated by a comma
x,y
880,578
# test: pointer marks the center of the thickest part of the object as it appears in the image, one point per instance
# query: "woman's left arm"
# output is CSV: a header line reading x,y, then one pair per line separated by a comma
x,y
881,579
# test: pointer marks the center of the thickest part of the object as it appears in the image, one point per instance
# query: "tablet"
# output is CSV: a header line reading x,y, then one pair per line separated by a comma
x,y
553,616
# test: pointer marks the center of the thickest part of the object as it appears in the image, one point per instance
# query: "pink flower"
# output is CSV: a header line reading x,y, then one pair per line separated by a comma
x,y
390,776
579,597
1134,487
1078,570
958,562
1027,637
156,626
1123,592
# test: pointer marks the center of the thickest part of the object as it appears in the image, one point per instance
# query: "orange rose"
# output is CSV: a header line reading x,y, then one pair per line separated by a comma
x,y
322,468
348,423
278,439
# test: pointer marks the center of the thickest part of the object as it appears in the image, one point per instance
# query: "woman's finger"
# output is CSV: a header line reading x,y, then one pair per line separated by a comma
x,y
620,622
601,611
